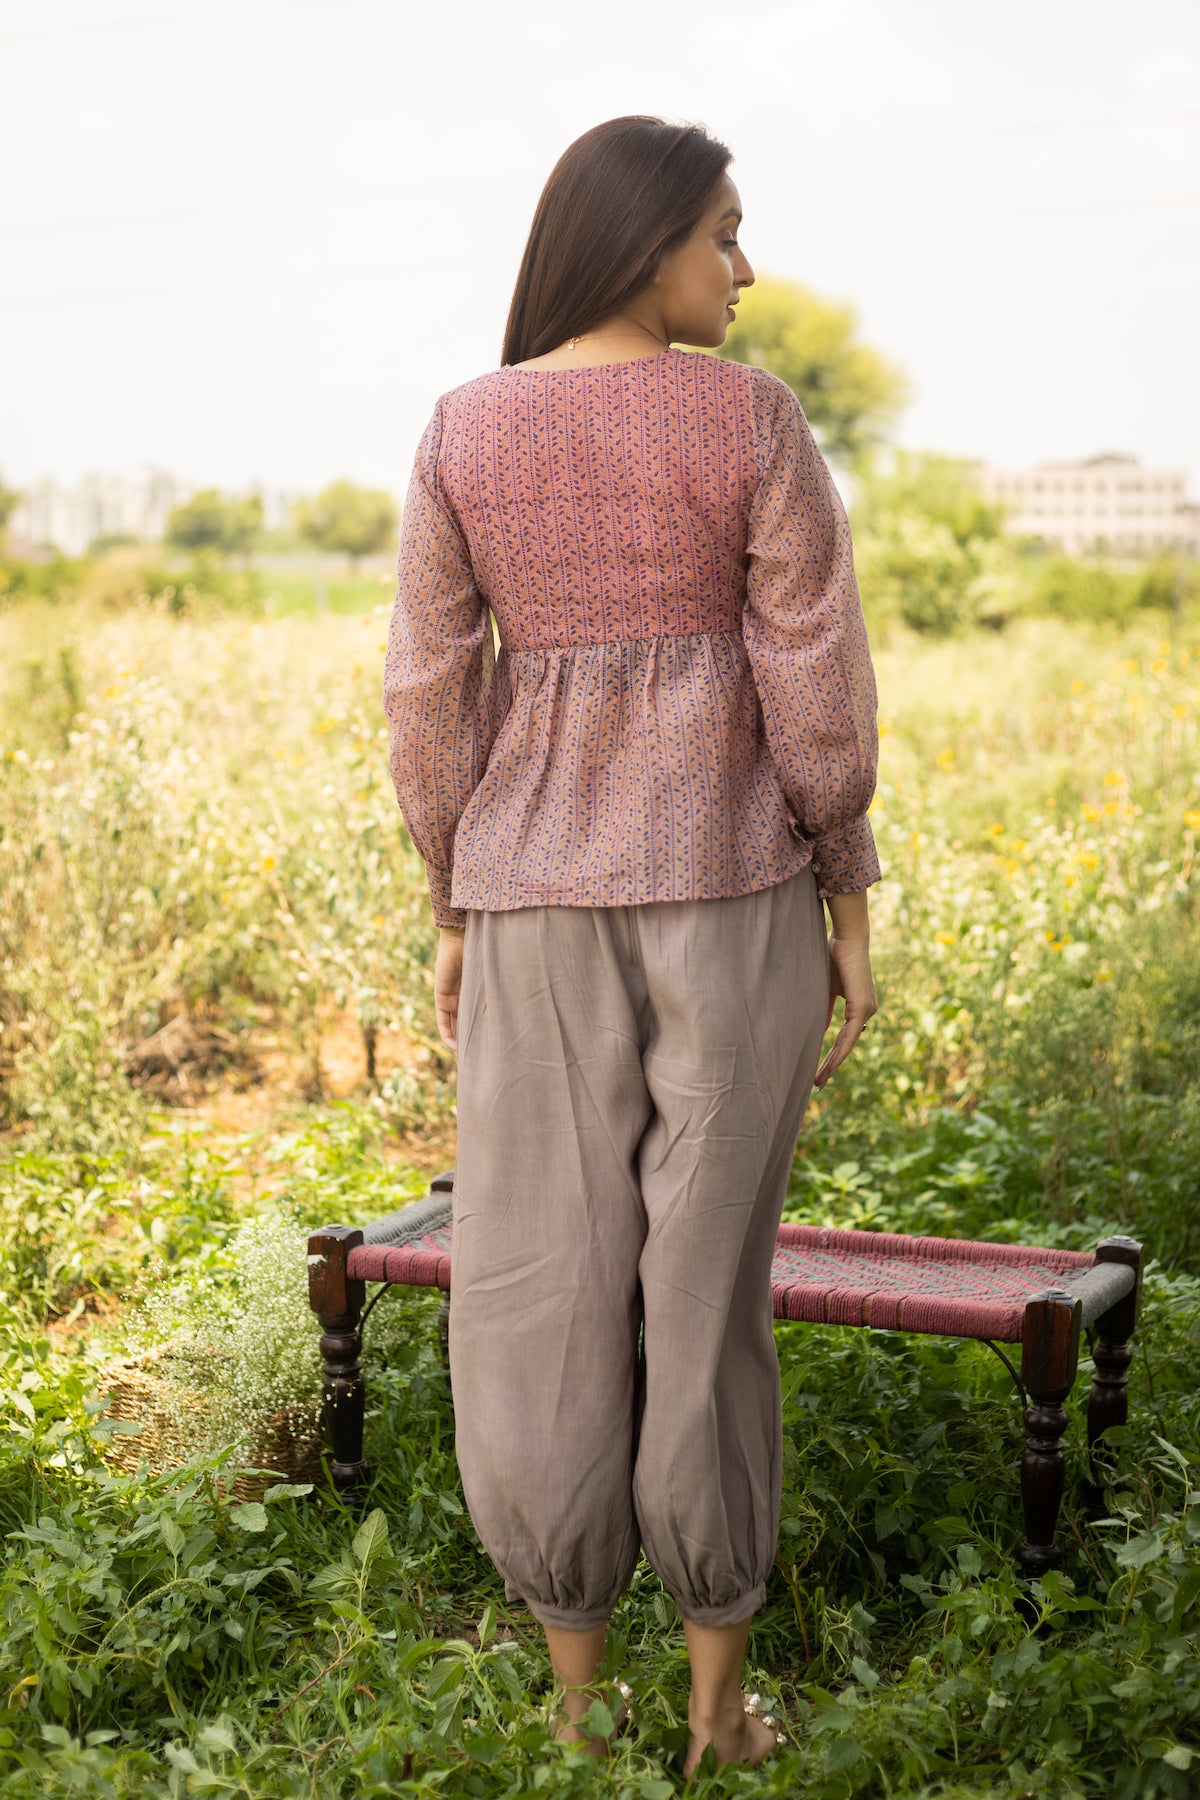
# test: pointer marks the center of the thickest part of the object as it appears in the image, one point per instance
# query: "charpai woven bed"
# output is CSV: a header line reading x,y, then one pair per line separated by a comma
x,y
1000,1294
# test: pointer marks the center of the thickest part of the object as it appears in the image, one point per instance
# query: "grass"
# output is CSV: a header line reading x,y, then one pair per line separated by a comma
x,y
196,831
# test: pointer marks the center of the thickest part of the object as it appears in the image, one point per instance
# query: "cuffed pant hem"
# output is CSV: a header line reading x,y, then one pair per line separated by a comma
x,y
577,1618
732,1613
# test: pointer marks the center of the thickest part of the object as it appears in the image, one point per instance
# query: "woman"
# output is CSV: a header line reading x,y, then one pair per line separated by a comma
x,y
629,820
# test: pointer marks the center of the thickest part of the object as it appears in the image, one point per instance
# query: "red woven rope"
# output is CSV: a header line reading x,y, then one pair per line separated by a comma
x,y
952,1286
945,1285
425,1263
937,1249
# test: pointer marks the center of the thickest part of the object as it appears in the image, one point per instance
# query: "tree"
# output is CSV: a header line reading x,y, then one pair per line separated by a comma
x,y
352,519
210,522
851,396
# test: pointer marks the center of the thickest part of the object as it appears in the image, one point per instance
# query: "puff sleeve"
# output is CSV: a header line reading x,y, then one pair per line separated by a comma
x,y
807,644
438,685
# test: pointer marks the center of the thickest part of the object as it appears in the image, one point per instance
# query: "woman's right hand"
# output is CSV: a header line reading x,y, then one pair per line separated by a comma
x,y
447,981
849,977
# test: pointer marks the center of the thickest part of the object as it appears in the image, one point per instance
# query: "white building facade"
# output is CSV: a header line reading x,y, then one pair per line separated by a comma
x,y
135,505
1106,504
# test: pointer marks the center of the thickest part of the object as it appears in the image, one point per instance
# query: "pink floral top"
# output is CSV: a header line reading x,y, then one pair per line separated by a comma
x,y
682,705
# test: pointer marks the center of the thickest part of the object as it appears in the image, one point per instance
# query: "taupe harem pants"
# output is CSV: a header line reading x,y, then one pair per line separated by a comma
x,y
631,1084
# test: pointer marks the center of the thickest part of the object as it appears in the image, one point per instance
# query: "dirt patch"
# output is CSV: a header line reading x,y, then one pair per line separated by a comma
x,y
285,1086
81,1321
432,1151
186,1054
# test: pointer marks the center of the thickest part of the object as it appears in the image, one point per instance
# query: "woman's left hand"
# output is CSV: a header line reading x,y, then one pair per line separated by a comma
x,y
447,980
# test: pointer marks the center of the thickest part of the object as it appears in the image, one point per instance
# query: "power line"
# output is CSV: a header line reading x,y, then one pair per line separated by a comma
x,y
521,177
238,283
131,22
321,276
1017,128
959,222
281,203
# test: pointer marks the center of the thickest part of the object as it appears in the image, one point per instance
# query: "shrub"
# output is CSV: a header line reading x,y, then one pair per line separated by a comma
x,y
929,549
58,578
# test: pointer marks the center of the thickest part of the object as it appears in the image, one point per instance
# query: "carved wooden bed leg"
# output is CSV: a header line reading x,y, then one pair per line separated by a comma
x,y
444,1334
1049,1358
337,1300
1108,1402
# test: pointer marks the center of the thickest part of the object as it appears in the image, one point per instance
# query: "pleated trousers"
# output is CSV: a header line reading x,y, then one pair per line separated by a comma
x,y
631,1086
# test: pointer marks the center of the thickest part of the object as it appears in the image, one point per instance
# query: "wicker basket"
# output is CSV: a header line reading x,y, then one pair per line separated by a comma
x,y
176,1422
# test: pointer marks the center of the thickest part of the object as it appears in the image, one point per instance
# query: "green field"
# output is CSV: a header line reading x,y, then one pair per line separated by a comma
x,y
217,1029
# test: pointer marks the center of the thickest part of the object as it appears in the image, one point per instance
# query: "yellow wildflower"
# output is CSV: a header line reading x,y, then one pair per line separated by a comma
x,y
1078,687
1115,779
996,830
945,937
1191,819
1090,812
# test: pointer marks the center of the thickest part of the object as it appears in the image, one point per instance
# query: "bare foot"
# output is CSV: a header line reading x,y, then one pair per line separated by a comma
x,y
568,1733
736,1737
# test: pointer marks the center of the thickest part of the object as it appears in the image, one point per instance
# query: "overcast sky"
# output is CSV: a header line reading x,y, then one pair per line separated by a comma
x,y
256,240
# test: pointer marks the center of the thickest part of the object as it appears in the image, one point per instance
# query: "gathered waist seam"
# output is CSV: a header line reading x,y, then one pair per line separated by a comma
x,y
654,637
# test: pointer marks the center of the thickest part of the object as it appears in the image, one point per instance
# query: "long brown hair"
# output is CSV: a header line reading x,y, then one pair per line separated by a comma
x,y
614,203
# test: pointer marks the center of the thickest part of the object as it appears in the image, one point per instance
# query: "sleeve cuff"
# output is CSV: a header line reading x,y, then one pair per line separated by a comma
x,y
846,861
444,913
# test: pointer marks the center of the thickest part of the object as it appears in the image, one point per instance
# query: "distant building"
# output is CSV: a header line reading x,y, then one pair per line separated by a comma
x,y
70,518
135,505
1107,503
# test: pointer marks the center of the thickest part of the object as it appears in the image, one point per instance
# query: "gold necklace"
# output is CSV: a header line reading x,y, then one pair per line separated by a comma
x,y
572,342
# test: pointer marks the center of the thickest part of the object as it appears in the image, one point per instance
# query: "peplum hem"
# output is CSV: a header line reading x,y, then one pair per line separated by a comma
x,y
624,772
465,901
